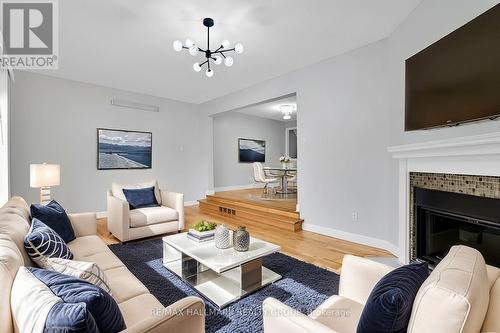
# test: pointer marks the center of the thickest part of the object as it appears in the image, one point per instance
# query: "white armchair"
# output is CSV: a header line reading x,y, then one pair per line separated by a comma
x,y
126,224
338,314
461,295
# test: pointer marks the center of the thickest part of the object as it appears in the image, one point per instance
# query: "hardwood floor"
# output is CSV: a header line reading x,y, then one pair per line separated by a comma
x,y
323,251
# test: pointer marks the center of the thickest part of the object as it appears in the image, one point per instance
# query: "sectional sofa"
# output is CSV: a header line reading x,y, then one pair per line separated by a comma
x,y
142,312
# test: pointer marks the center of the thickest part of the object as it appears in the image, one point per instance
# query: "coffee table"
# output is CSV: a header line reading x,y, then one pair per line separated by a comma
x,y
221,276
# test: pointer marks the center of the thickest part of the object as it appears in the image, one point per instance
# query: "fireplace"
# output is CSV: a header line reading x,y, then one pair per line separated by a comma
x,y
444,219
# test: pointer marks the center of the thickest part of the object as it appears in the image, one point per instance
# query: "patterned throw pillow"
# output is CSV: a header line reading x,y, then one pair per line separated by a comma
x,y
42,242
87,271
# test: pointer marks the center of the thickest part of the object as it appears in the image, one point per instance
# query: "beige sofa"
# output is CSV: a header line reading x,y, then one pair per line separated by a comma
x,y
462,295
140,309
126,224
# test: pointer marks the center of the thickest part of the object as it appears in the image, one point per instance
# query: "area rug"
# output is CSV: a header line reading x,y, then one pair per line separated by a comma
x,y
303,286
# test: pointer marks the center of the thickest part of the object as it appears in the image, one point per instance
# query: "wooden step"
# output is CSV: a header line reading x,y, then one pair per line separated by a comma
x,y
230,210
253,205
236,220
244,212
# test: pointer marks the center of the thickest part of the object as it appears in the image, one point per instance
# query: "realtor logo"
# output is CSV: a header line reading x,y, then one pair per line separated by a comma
x,y
30,34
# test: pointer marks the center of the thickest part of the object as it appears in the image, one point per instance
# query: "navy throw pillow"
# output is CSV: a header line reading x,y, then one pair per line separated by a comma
x,y
54,216
70,318
141,197
389,305
41,242
99,303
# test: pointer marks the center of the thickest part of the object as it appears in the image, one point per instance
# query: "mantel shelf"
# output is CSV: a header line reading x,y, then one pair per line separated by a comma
x,y
484,144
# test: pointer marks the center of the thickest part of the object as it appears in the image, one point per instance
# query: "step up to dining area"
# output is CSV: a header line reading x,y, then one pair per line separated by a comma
x,y
252,208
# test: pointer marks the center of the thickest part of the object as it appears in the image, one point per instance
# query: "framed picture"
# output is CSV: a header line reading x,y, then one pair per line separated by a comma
x,y
250,150
121,149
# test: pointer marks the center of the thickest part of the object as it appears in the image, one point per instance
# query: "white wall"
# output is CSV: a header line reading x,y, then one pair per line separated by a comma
x,y
344,128
351,108
55,120
4,137
228,127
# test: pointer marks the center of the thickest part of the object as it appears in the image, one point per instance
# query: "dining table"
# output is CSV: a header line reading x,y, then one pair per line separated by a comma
x,y
283,173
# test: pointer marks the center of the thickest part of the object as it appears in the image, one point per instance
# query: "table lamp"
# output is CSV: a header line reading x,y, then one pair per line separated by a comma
x,y
44,176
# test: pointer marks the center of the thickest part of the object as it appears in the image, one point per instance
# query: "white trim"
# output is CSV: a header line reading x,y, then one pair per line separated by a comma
x,y
237,187
101,215
472,155
483,144
356,238
209,192
191,203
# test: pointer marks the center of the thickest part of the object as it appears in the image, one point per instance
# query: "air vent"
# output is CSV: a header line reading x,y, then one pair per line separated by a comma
x,y
134,105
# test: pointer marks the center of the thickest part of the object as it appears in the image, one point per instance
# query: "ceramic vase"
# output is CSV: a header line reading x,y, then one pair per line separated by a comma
x,y
222,237
241,239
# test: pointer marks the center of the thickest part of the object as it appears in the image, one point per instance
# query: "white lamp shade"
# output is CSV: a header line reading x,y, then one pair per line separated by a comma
x,y
42,175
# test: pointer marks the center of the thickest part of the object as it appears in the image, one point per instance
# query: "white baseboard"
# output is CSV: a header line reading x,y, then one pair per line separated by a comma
x,y
209,192
101,215
191,203
237,187
352,237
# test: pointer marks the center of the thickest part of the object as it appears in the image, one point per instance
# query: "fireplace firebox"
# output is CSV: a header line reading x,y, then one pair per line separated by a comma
x,y
444,219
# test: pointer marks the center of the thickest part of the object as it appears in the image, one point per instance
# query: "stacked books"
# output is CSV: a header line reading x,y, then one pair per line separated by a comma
x,y
201,236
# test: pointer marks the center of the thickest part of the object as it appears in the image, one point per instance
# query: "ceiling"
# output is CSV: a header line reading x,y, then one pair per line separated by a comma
x,y
127,44
270,110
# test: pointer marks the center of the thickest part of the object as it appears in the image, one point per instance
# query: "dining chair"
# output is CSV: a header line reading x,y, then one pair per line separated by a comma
x,y
260,176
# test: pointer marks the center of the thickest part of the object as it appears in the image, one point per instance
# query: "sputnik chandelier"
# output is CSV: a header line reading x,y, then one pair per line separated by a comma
x,y
217,56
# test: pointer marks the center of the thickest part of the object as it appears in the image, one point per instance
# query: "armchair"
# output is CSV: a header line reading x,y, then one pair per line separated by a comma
x,y
338,314
460,296
126,224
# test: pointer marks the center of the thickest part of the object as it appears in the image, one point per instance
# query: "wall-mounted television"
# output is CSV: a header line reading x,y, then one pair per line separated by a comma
x,y
456,79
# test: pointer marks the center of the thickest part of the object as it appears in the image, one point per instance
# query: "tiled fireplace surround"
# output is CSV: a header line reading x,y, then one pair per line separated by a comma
x,y
469,165
482,186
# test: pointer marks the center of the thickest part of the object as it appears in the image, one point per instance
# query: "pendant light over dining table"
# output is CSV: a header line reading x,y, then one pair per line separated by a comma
x,y
218,56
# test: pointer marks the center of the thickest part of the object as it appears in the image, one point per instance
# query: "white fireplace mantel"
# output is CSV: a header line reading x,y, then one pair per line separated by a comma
x,y
472,155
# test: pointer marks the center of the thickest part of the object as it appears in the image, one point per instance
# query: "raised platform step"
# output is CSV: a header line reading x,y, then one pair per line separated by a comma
x,y
253,213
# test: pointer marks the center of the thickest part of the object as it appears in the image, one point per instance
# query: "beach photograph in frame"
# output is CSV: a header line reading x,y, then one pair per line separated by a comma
x,y
122,149
250,150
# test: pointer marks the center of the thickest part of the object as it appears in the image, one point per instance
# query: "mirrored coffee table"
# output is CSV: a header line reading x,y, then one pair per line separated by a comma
x,y
221,276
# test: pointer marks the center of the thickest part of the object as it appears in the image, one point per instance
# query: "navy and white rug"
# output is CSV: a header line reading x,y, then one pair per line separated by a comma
x,y
303,286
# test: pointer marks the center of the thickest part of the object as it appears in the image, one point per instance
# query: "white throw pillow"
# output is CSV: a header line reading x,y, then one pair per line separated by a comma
x,y
31,301
87,271
117,189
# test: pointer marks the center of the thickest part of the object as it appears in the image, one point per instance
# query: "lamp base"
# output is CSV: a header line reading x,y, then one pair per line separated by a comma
x,y
45,196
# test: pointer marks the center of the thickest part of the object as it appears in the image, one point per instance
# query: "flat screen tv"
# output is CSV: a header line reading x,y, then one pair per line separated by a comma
x,y
456,79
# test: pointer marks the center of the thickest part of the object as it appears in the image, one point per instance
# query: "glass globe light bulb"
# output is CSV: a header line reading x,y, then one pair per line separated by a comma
x,y
228,61
196,67
225,43
238,48
189,43
177,45
193,50
209,73
218,60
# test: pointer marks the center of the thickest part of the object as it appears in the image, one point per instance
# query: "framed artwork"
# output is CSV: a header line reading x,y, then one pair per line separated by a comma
x,y
122,149
250,150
